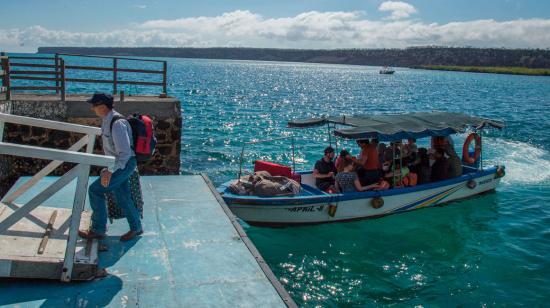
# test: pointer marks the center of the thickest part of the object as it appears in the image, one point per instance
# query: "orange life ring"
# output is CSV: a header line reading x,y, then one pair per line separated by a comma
x,y
466,149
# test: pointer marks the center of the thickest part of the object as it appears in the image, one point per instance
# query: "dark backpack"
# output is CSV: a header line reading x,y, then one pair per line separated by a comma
x,y
143,135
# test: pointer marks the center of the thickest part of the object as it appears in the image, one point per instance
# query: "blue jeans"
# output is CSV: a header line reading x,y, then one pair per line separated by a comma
x,y
120,186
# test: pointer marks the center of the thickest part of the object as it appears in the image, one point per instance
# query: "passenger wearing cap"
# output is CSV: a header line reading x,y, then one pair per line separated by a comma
x,y
116,179
325,170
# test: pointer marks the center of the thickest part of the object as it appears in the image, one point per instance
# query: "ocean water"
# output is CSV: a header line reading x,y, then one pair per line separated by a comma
x,y
491,250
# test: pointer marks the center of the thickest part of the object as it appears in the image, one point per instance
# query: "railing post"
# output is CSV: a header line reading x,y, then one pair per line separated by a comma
x,y
57,72
78,206
164,69
115,75
6,76
1,131
62,77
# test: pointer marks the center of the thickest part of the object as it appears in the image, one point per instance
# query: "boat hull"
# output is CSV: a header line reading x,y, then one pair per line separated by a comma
x,y
353,206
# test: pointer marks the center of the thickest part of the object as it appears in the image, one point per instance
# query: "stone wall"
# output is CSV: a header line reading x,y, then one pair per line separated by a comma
x,y
7,173
165,113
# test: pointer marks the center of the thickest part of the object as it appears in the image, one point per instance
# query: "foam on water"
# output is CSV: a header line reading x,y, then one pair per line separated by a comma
x,y
525,163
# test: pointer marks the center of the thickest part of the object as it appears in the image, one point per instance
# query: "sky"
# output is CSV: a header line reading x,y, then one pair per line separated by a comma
x,y
311,24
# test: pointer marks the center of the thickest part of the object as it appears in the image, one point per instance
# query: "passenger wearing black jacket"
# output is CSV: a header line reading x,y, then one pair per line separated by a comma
x,y
441,167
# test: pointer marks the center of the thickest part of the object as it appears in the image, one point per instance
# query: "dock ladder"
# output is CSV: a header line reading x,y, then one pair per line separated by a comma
x,y
37,241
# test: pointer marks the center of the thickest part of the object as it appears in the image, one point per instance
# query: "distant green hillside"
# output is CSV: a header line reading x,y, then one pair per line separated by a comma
x,y
494,70
409,57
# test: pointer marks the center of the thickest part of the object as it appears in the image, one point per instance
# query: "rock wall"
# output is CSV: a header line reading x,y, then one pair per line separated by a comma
x,y
7,173
165,113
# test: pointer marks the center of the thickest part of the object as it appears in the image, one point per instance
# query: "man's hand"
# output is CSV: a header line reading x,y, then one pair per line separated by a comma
x,y
105,178
330,175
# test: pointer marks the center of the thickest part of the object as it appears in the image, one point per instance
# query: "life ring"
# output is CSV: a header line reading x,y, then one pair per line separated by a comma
x,y
500,172
466,149
377,202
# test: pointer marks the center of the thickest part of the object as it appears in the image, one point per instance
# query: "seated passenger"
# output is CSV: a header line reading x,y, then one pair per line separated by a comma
x,y
423,167
455,165
440,168
344,155
325,170
347,180
381,151
397,175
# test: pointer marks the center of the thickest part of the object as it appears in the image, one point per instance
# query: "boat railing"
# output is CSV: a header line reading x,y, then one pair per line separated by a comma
x,y
81,171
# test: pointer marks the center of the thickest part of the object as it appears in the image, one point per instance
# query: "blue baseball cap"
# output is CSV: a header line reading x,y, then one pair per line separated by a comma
x,y
101,99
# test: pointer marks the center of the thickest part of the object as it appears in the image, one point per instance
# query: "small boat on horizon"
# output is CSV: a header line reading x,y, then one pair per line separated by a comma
x,y
387,70
313,206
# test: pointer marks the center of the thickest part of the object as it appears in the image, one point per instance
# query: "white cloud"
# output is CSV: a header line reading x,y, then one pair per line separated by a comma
x,y
140,6
306,30
398,9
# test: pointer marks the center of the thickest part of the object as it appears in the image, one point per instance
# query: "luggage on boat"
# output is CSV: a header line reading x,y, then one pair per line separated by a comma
x,y
273,168
263,184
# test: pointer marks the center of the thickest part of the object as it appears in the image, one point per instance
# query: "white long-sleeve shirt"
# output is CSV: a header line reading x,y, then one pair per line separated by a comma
x,y
117,143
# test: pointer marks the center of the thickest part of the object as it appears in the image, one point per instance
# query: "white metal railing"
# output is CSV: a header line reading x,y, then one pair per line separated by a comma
x,y
81,172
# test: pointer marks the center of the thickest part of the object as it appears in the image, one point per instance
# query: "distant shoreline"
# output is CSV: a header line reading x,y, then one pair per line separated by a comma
x,y
533,62
489,69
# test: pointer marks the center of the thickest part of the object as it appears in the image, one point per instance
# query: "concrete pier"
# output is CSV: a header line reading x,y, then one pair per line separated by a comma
x,y
193,254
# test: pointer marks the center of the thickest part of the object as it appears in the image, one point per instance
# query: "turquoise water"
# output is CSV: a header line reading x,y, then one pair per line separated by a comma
x,y
486,251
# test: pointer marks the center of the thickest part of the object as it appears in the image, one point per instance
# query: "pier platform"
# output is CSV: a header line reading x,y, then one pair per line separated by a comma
x,y
192,254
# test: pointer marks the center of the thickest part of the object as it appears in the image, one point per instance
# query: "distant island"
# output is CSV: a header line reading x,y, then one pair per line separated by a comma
x,y
489,60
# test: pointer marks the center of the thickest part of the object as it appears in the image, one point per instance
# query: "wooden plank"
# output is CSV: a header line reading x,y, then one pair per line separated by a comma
x,y
89,68
31,88
35,78
78,207
25,72
20,258
70,127
55,154
142,83
107,57
114,76
32,58
6,78
32,65
63,80
83,80
164,78
47,233
130,70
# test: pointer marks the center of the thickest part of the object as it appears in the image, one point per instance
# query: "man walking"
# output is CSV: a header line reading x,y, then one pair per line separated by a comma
x,y
117,141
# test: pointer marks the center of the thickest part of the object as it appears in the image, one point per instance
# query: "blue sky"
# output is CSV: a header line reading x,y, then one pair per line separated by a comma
x,y
282,23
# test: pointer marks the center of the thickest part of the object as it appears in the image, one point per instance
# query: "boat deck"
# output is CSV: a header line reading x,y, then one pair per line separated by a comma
x,y
192,253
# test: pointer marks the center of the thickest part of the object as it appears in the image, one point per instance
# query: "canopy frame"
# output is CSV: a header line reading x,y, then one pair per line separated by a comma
x,y
393,127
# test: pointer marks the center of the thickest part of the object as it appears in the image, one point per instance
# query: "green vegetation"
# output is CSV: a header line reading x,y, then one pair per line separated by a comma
x,y
490,60
491,69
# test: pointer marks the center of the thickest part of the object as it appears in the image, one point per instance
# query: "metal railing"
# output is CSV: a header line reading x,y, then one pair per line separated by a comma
x,y
83,161
54,69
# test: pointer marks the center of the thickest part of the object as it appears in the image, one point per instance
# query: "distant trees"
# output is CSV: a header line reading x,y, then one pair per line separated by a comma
x,y
408,57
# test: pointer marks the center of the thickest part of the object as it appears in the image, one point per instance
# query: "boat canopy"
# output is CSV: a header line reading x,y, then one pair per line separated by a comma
x,y
391,127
